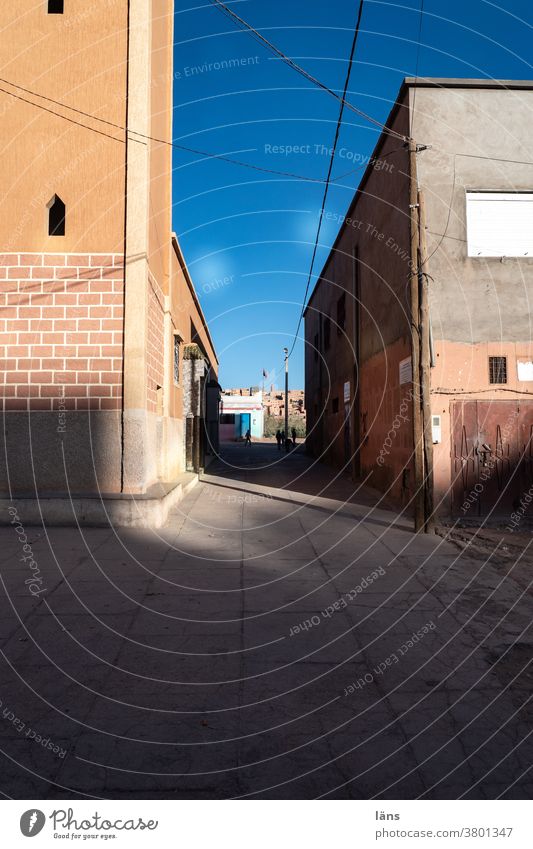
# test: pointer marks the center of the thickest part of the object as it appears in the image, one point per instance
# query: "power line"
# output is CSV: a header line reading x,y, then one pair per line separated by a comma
x,y
331,161
197,151
192,150
57,114
244,25
494,159
222,157
433,252
371,161
444,235
419,40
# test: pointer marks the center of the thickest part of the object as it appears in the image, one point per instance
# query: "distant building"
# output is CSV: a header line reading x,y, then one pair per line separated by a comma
x,y
274,404
419,361
248,391
239,413
273,407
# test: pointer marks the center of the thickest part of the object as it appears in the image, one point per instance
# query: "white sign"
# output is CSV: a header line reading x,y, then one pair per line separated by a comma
x,y
499,223
346,391
525,370
406,371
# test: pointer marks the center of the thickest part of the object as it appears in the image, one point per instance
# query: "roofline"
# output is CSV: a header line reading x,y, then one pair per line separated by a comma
x,y
368,171
451,82
408,83
190,284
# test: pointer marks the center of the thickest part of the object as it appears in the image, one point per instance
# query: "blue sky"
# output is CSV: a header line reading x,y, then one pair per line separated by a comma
x,y
248,237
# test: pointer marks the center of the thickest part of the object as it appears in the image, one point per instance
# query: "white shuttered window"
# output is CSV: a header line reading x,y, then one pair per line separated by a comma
x,y
499,223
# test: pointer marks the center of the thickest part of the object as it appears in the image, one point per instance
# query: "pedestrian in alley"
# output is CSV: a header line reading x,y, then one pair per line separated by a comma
x,y
247,439
279,438
293,433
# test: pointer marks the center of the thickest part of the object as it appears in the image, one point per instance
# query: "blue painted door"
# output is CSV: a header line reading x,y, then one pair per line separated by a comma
x,y
246,423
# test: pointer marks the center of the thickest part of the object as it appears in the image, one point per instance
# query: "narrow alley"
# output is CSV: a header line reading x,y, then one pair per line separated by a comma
x,y
283,636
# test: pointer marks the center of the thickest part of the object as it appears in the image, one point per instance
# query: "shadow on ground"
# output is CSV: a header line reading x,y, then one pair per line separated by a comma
x,y
282,637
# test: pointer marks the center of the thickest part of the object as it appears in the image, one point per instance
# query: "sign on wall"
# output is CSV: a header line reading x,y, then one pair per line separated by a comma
x,y
525,370
406,371
499,223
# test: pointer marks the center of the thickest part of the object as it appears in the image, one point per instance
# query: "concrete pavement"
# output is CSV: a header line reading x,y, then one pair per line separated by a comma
x,y
283,636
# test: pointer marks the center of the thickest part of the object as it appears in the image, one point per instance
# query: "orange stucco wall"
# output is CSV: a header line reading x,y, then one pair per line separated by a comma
x,y
44,153
160,192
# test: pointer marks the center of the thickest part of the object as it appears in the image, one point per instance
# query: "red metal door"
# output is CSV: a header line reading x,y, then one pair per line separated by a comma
x,y
525,439
492,456
464,463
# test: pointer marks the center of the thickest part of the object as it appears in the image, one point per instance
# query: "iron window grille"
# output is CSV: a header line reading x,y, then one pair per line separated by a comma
x,y
497,369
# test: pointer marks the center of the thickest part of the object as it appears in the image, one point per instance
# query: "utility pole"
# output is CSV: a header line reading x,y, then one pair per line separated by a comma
x,y
418,443
286,352
425,367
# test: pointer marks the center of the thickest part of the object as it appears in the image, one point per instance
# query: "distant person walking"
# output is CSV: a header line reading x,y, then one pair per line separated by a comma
x,y
293,433
279,438
247,439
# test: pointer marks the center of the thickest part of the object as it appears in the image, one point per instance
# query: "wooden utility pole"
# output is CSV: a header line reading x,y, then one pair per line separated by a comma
x,y
425,366
418,435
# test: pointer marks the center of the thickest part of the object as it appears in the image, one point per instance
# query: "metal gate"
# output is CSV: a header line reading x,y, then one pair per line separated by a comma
x,y
492,457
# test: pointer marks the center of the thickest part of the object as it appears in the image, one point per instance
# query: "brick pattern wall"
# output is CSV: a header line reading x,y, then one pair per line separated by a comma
x,y
61,331
156,336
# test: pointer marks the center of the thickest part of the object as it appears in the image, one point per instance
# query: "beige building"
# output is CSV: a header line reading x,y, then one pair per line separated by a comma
x,y
98,314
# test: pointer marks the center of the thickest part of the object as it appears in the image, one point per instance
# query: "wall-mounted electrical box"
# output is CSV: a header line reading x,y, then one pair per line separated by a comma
x,y
436,429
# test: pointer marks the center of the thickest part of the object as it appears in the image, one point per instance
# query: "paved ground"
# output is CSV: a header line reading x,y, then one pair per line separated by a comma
x,y
280,638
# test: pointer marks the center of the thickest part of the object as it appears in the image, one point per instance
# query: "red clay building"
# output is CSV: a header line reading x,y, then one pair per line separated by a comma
x,y
419,364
